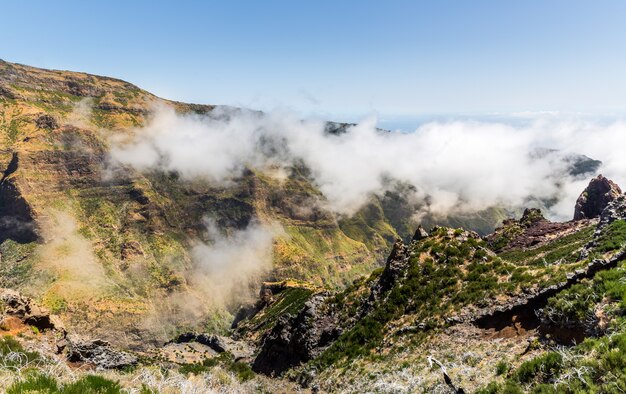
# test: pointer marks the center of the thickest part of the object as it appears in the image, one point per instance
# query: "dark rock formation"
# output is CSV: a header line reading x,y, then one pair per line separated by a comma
x,y
592,201
30,313
82,88
420,234
97,352
297,339
7,92
47,121
395,268
531,230
16,216
531,216
240,350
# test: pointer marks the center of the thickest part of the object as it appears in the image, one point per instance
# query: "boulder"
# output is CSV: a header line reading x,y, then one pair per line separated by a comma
x,y
47,121
420,234
595,198
97,352
29,312
220,344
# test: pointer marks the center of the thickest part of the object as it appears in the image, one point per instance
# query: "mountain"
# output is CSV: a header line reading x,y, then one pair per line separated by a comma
x,y
99,262
535,306
64,208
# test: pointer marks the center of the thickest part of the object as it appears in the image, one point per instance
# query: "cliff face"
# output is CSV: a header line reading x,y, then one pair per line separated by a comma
x,y
592,201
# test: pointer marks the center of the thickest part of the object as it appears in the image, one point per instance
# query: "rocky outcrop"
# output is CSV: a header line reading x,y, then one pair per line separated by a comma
x,y
28,312
615,210
77,349
220,344
16,215
395,268
592,201
419,234
532,230
525,305
96,352
47,121
297,339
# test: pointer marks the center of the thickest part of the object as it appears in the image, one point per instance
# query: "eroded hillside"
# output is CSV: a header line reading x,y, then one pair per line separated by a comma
x,y
105,266
67,213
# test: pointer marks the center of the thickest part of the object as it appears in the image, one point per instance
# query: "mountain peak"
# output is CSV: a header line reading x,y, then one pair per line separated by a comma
x,y
598,194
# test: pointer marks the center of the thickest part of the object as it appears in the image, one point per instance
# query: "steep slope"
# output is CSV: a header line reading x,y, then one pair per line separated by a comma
x,y
99,243
111,251
509,308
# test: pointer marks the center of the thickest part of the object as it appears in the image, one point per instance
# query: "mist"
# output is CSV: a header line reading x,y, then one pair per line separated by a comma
x,y
457,166
226,271
230,267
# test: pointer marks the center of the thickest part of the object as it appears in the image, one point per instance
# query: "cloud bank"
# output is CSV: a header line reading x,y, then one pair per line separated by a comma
x,y
459,166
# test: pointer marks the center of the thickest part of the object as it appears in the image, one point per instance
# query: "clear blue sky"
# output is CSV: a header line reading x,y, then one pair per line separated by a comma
x,y
339,58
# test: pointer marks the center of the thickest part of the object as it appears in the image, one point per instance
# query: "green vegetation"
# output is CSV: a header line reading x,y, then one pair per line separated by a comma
x,y
502,368
9,348
434,277
595,366
598,364
40,383
540,369
35,383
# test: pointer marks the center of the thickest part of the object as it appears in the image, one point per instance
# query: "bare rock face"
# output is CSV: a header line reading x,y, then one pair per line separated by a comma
x,y
297,339
97,352
615,210
29,312
592,201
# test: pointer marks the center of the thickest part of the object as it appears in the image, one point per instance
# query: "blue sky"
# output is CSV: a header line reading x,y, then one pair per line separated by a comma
x,y
340,59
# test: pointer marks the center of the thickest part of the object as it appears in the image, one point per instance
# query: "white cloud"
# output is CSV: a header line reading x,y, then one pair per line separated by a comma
x,y
461,165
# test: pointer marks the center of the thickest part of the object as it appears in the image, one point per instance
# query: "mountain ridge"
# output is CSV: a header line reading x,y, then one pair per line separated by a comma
x,y
112,252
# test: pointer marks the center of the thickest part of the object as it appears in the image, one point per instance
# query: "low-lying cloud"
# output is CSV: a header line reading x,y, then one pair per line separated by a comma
x,y
457,166
227,269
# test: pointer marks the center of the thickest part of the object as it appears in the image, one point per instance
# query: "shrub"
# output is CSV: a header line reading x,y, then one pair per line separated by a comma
x,y
502,368
540,368
35,383
92,384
